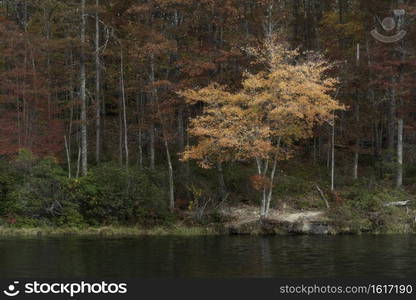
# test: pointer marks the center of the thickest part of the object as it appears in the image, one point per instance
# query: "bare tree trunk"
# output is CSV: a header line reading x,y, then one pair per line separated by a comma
x,y
152,126
263,204
140,149
123,97
26,113
48,58
152,146
165,138
97,85
272,176
170,169
262,171
400,121
357,119
399,179
68,157
356,160
391,123
171,183
357,145
78,162
84,142
140,137
321,193
269,196
71,98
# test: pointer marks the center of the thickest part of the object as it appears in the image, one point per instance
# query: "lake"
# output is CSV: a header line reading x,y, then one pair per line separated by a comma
x,y
210,257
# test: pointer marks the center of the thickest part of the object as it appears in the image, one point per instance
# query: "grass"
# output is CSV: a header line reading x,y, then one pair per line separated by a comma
x,y
107,231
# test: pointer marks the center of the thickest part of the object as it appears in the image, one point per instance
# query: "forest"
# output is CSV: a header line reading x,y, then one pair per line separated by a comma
x,y
161,112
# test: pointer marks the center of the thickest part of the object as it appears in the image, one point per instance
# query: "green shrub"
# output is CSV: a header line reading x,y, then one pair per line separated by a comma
x,y
363,210
111,194
37,191
8,181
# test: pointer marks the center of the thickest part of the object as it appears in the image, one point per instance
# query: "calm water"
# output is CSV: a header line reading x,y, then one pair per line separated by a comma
x,y
209,257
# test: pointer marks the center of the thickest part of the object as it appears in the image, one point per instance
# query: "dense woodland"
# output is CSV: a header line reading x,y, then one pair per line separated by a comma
x,y
121,111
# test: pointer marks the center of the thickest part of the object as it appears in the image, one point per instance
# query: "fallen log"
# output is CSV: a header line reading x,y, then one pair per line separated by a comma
x,y
321,193
398,203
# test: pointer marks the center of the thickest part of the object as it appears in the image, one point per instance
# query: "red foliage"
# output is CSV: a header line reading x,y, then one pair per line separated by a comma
x,y
29,113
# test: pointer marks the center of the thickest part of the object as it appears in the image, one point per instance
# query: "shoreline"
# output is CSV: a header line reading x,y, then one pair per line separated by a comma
x,y
106,231
266,230
236,221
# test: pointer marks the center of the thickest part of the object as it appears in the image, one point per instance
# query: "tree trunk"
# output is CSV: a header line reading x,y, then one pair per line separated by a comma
x,y
269,196
357,145
140,137
84,142
357,119
263,214
400,121
123,97
68,157
356,160
97,86
171,183
78,162
152,146
272,176
262,171
152,126
399,179
165,140
391,123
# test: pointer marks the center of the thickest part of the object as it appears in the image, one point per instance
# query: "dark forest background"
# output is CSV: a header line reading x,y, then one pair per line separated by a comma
x,y
92,127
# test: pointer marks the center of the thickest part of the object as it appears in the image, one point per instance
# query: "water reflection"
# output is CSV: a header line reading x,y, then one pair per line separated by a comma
x,y
208,257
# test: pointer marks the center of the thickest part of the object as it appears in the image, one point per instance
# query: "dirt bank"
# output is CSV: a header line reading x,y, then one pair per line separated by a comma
x,y
246,220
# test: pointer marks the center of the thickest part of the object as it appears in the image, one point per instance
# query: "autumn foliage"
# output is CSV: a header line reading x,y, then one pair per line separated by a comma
x,y
232,85
275,108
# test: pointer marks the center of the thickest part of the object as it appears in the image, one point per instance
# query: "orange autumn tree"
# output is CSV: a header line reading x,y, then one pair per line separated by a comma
x,y
275,108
